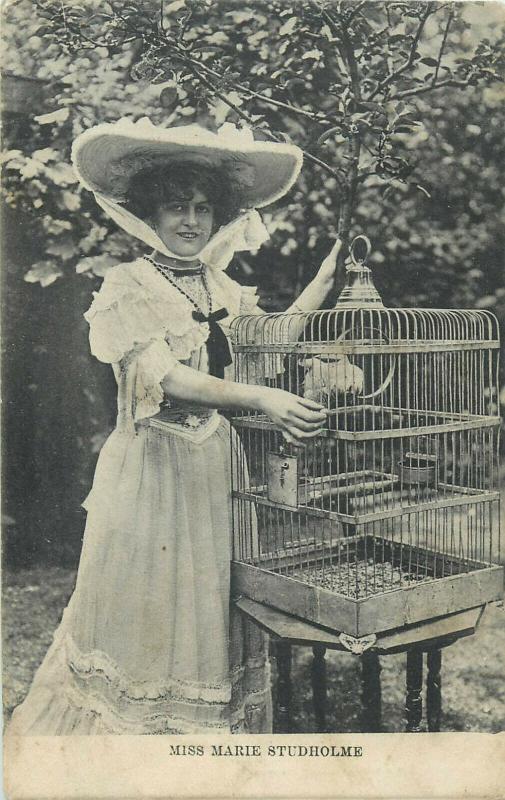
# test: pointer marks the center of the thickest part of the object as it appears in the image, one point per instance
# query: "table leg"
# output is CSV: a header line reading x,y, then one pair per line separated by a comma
x,y
284,686
414,702
371,693
319,686
433,689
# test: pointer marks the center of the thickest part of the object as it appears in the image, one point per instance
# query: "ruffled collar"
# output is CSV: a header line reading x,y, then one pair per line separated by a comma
x,y
225,292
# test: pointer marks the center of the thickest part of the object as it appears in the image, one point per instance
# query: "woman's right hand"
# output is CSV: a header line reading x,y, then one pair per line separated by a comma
x,y
298,417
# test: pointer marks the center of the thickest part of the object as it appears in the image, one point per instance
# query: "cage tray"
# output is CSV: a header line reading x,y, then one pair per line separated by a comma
x,y
422,585
361,578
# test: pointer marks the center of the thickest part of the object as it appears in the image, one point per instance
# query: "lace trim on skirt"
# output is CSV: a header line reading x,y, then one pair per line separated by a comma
x,y
97,688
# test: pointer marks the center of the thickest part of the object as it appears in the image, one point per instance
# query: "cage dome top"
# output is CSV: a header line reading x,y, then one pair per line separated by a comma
x,y
359,290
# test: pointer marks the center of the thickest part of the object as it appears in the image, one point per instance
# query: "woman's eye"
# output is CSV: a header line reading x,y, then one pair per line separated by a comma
x,y
203,209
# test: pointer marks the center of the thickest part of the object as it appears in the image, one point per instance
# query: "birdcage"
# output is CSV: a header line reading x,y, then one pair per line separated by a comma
x,y
391,516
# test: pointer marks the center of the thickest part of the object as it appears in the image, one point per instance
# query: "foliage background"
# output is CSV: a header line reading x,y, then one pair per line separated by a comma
x,y
438,245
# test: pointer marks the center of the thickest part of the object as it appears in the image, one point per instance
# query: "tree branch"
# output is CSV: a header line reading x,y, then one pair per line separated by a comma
x,y
429,88
442,46
280,104
330,170
410,60
355,12
251,93
349,196
246,117
183,54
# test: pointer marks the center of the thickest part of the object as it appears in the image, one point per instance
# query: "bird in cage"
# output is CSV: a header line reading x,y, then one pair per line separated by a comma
x,y
325,378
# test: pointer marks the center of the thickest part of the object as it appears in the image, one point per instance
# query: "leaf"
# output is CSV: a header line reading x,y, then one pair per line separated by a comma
x,y
430,62
240,16
30,168
217,38
9,155
361,119
207,48
71,200
422,189
288,27
336,130
168,97
256,38
367,105
61,174
63,248
45,155
60,115
293,84
96,234
221,109
43,272
174,7
55,226
315,54
98,265
488,301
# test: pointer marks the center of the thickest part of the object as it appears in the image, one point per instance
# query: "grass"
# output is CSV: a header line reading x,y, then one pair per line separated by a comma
x,y
472,672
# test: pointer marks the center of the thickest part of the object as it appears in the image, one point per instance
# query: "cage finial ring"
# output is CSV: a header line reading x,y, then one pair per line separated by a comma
x,y
352,250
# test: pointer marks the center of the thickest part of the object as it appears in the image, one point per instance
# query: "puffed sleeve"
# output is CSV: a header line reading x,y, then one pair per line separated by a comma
x,y
128,330
258,368
249,301
121,317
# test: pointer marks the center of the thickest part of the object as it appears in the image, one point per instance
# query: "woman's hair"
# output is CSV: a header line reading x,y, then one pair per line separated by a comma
x,y
155,186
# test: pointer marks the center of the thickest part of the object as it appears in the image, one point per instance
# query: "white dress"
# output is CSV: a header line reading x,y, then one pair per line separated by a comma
x,y
149,643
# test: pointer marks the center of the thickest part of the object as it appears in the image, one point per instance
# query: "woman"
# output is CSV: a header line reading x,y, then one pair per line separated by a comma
x,y
148,642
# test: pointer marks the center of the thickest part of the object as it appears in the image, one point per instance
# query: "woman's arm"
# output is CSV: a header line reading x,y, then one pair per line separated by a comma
x,y
297,417
315,293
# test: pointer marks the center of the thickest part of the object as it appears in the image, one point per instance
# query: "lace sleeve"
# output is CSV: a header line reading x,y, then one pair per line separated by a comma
x,y
129,329
121,319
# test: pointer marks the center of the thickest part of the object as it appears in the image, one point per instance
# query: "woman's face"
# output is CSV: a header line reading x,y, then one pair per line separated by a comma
x,y
185,226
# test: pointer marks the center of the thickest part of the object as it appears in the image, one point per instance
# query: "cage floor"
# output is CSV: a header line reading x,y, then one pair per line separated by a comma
x,y
361,578
366,584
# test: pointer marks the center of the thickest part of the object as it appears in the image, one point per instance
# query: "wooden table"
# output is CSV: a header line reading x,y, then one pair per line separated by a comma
x,y
428,637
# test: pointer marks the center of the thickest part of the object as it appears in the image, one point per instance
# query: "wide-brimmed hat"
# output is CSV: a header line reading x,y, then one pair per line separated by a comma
x,y
106,156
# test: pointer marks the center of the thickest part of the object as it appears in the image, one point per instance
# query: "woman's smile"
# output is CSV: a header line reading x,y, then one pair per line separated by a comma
x,y
188,235
185,226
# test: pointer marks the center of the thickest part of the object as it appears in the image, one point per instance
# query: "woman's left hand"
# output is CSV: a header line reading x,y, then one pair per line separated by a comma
x,y
326,271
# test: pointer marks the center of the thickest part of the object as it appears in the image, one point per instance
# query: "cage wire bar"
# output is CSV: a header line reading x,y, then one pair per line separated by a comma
x,y
391,515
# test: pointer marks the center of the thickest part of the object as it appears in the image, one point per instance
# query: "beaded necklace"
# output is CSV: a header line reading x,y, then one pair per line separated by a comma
x,y
168,273
218,348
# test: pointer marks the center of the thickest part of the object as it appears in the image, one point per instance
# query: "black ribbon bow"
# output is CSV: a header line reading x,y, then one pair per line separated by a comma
x,y
218,348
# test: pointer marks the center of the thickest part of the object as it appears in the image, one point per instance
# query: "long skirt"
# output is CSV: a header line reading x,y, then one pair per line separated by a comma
x,y
149,642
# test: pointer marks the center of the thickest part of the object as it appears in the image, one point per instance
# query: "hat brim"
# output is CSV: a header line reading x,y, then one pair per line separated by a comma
x,y
105,158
